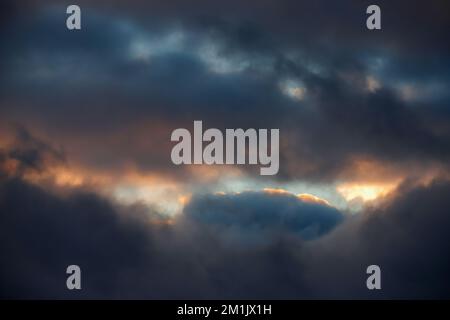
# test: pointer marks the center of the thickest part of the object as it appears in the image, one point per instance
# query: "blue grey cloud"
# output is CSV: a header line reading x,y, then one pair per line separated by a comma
x,y
255,215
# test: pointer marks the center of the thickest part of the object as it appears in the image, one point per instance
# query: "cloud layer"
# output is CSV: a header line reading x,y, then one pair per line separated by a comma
x,y
130,82
228,255
85,170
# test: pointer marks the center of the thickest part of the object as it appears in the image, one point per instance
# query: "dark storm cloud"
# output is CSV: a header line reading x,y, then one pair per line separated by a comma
x,y
113,92
121,69
346,123
124,256
407,238
254,215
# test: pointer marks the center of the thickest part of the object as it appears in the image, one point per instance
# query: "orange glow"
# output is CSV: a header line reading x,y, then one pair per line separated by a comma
x,y
366,192
276,191
63,176
184,199
127,187
306,197
370,171
68,178
207,173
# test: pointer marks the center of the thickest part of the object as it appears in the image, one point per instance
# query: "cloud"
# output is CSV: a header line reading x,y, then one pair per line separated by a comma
x,y
211,68
359,110
255,215
406,237
28,154
126,252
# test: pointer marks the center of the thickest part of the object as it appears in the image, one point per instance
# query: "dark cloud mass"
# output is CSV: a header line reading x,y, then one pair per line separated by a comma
x,y
176,66
254,214
102,102
244,245
124,256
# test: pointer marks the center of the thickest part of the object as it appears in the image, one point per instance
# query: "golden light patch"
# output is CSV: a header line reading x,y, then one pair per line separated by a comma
x,y
184,199
365,170
68,178
127,187
306,197
275,191
366,192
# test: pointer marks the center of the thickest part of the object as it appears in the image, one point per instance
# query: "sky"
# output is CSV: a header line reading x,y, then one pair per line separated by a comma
x,y
86,176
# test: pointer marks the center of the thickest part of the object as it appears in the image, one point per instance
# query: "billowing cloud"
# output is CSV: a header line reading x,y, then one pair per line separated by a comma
x,y
85,169
125,252
122,79
406,237
254,215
